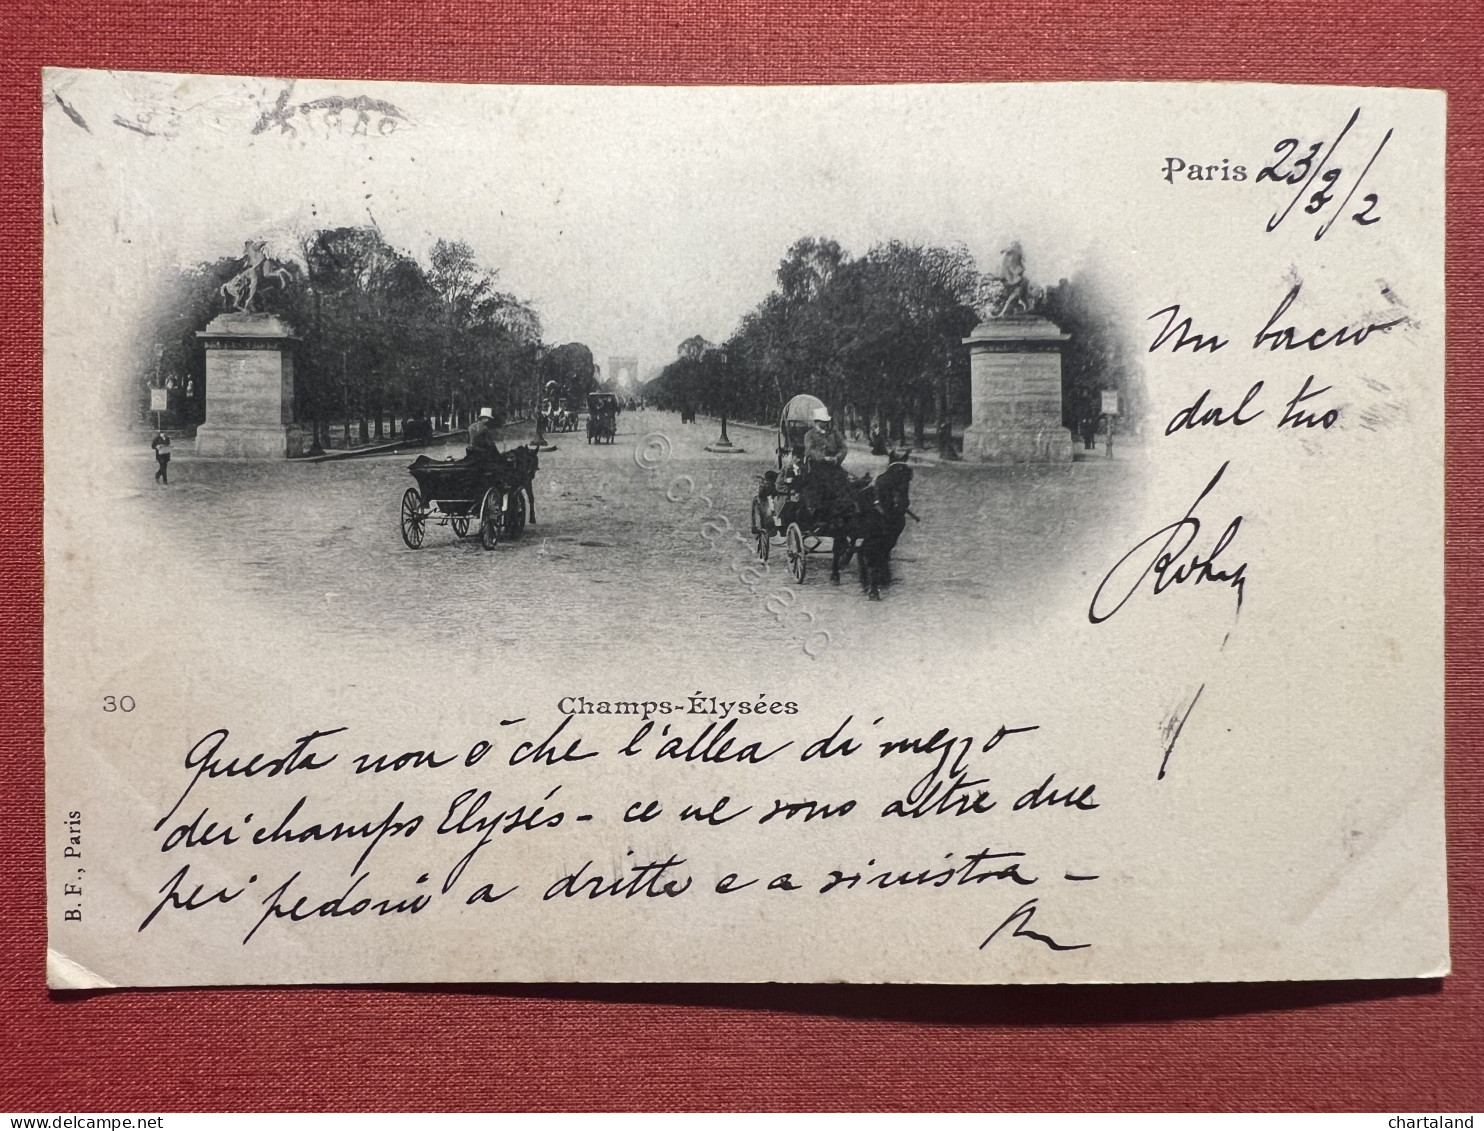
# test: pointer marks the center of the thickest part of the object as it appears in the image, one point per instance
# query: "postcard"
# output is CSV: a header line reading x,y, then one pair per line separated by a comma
x,y
953,534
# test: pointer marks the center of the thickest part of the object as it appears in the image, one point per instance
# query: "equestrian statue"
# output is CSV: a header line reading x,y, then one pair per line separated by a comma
x,y
242,289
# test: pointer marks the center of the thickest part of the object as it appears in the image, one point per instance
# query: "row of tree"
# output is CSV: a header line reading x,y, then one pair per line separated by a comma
x,y
383,336
879,338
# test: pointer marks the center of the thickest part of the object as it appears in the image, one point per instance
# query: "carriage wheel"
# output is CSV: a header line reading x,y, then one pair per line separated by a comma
x,y
761,536
798,557
460,524
490,519
515,513
413,519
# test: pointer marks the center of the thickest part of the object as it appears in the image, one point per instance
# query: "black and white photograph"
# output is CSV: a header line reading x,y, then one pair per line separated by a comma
x,y
884,533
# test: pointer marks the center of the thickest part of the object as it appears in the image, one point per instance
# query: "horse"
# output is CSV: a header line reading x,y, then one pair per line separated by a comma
x,y
869,521
241,290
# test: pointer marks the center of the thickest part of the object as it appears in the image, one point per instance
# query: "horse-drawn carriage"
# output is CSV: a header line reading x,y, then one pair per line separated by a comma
x,y
602,417
557,416
492,490
816,507
417,430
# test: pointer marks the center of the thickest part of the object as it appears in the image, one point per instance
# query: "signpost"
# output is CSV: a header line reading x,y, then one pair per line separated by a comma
x,y
157,399
1110,410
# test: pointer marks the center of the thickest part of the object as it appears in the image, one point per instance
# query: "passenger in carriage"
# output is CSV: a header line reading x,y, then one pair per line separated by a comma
x,y
482,437
822,444
782,503
825,481
792,464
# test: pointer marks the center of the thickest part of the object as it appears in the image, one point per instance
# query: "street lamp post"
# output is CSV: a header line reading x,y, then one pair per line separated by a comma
x,y
946,448
720,370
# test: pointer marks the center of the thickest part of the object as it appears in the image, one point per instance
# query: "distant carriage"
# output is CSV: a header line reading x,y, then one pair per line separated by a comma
x,y
417,430
491,492
602,418
557,417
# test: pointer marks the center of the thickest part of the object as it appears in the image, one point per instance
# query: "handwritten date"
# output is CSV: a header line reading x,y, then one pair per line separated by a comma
x,y
1317,176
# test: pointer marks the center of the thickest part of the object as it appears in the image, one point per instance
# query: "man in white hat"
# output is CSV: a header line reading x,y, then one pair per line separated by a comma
x,y
482,436
823,444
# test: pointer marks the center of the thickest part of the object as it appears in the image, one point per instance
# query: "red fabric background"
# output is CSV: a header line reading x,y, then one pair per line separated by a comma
x,y
1389,1046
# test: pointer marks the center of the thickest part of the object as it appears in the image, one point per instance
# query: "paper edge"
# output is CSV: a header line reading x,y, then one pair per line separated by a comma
x,y
62,973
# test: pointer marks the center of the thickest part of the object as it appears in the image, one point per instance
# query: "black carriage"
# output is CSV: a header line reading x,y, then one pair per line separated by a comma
x,y
819,508
801,509
417,430
602,418
491,492
790,506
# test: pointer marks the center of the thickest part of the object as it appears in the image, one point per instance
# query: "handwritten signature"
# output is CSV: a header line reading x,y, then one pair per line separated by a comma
x,y
1022,917
1169,562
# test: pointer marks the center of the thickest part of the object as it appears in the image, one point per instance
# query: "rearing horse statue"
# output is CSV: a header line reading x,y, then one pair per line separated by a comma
x,y
241,290
1017,297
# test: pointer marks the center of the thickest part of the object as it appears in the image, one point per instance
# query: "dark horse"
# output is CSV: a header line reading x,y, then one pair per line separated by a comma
x,y
517,465
868,523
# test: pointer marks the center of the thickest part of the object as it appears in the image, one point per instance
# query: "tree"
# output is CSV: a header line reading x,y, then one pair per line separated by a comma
x,y
919,305
379,332
808,268
1099,354
880,334
573,369
367,299
167,346
460,284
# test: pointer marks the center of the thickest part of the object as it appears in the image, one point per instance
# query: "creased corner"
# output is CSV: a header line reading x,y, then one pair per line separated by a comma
x,y
64,974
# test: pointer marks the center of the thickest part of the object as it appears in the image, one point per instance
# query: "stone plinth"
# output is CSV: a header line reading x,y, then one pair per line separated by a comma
x,y
249,389
1015,373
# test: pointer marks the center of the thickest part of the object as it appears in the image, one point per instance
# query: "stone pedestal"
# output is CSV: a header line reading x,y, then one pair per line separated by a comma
x,y
250,389
1015,373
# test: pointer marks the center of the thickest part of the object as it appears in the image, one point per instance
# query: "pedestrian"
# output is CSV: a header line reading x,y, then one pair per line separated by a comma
x,y
161,445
